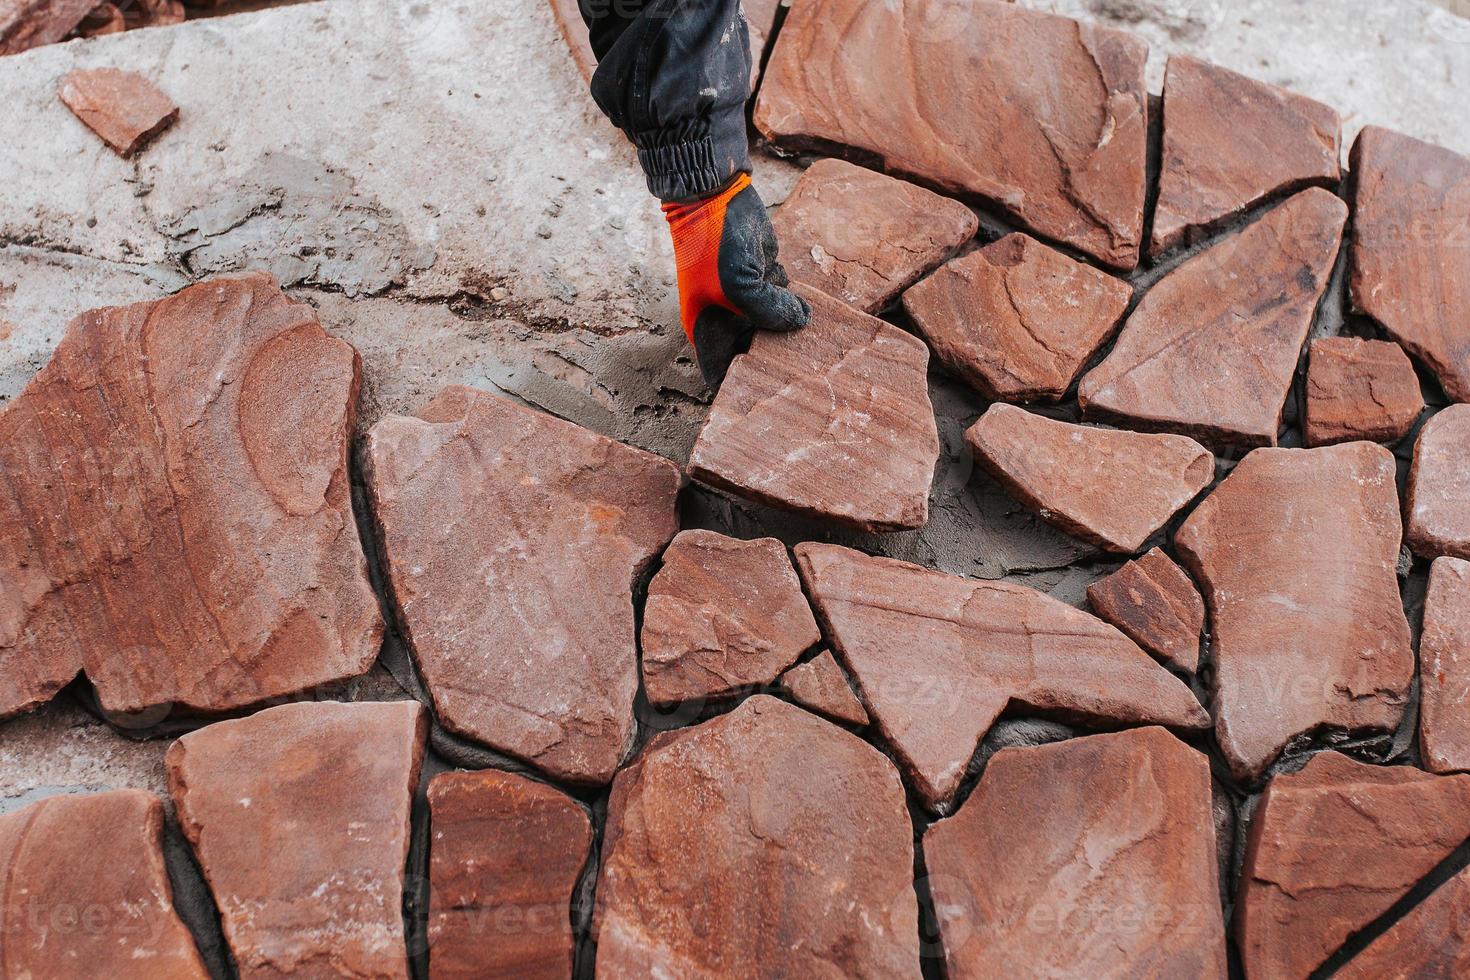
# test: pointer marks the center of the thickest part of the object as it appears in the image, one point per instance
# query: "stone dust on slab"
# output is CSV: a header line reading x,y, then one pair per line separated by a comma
x,y
1439,486
1360,389
1155,604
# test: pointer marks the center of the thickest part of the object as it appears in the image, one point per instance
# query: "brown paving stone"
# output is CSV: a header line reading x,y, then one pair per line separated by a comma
x,y
176,514
1360,389
1432,940
831,421
820,685
122,107
1410,267
1110,487
1331,848
1017,320
512,540
938,658
1091,857
1297,553
505,855
1062,150
299,818
1444,669
1212,349
1155,604
26,24
800,861
1439,486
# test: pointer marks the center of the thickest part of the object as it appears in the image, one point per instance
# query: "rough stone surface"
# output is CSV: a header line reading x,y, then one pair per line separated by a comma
x,y
1331,848
299,818
1061,151
1360,389
574,31
1093,857
820,685
1017,320
1155,604
722,615
1432,940
938,658
1297,551
511,541
830,421
1411,249
1230,143
1111,487
1444,669
26,24
1212,349
194,547
122,107
808,875
1439,486
863,237
505,855
87,894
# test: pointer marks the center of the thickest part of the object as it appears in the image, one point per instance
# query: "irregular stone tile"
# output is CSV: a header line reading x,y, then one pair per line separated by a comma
x,y
722,615
1432,940
811,875
1360,389
122,107
299,818
938,658
1331,848
1110,487
511,541
1410,267
1297,553
1062,151
830,421
1155,604
1016,320
1230,143
505,855
1091,857
26,24
1439,486
820,685
1444,668
176,518
863,237
1212,349
87,893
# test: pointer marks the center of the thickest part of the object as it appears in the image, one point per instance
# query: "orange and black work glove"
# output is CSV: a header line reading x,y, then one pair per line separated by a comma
x,y
730,284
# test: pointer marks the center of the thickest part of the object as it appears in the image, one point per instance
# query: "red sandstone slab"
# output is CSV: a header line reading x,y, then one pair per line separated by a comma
x,y
1155,604
1062,151
122,107
1444,669
1439,486
26,24
821,686
1360,389
1432,940
512,540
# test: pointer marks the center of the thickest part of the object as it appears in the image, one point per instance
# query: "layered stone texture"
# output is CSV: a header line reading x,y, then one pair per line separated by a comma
x,y
299,818
1110,487
176,518
1331,848
1439,486
1360,389
1432,940
811,875
831,421
821,686
1017,320
1154,602
1444,669
512,540
123,108
505,855
1212,348
1062,151
1297,651
938,658
1087,858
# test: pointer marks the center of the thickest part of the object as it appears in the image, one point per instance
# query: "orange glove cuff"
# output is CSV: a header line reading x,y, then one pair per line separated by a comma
x,y
698,228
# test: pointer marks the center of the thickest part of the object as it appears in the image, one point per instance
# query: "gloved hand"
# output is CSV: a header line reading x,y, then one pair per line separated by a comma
x,y
730,284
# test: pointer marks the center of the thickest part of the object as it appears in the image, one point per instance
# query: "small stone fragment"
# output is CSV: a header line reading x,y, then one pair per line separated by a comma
x,y
1155,604
766,842
1110,487
1297,551
26,24
1432,940
87,894
1331,848
1093,857
831,421
511,541
505,856
1230,143
1439,486
722,616
863,237
1360,389
1410,269
1212,349
938,658
821,686
1444,671
122,107
299,818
